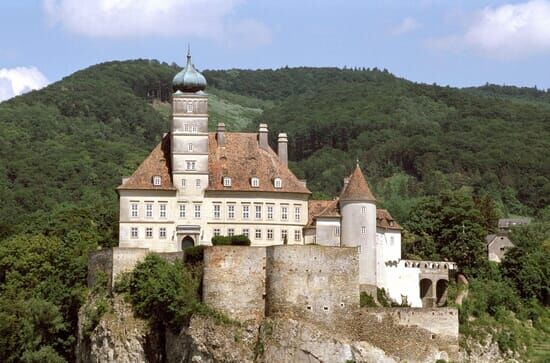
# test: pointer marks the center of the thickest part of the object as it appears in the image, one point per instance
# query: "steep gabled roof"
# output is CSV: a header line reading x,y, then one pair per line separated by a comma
x,y
241,158
385,220
357,188
156,164
322,208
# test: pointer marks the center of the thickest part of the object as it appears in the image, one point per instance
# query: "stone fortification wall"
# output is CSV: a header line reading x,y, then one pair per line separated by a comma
x,y
113,261
315,282
234,281
442,322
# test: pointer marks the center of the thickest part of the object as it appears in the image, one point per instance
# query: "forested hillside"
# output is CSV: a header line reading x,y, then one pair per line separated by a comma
x,y
446,162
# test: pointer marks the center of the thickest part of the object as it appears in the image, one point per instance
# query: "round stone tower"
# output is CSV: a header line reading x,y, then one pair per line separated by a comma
x,y
358,210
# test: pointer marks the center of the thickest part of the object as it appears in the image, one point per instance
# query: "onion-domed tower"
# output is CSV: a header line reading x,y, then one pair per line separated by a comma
x,y
358,210
189,137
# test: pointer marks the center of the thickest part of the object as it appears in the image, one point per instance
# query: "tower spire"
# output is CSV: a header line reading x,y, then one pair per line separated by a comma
x,y
188,51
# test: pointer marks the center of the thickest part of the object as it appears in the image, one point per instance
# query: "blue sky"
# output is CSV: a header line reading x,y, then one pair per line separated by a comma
x,y
457,43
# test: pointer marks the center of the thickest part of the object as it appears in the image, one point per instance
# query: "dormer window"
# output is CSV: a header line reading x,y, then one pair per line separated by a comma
x,y
157,181
226,181
255,182
278,183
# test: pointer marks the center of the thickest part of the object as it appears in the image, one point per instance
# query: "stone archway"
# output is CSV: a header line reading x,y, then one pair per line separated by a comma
x,y
441,292
187,242
426,293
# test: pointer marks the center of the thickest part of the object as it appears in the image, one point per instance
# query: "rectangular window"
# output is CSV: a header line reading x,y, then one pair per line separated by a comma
x,y
182,210
162,210
134,210
197,208
217,211
269,234
216,231
363,210
284,213
258,234
284,235
148,232
189,147
269,212
246,211
134,232
297,213
297,235
258,209
363,230
190,164
198,183
336,231
231,211
183,183
149,210
246,232
230,232
162,232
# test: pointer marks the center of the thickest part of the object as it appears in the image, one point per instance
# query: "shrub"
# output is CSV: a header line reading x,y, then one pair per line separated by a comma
x,y
240,240
194,255
221,241
366,300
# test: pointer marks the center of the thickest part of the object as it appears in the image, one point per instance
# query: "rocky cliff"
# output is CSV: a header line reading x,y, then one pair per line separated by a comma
x,y
118,336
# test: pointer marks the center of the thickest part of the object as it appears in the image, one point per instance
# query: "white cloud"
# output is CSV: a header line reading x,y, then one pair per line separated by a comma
x,y
134,18
407,25
16,81
507,31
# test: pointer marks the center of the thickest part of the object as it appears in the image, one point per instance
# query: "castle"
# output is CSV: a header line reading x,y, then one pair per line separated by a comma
x,y
197,184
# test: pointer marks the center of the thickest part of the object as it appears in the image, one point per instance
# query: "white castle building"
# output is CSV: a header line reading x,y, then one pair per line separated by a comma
x,y
197,184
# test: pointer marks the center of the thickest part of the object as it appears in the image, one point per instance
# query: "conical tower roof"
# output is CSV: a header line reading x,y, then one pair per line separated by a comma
x,y
189,79
357,188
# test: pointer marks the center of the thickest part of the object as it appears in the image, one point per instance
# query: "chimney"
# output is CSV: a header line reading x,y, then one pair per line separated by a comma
x,y
220,134
263,136
282,148
346,182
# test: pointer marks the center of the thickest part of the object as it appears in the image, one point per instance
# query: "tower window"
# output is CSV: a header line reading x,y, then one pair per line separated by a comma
x,y
363,210
278,183
157,181
190,164
226,181
189,147
363,230
255,182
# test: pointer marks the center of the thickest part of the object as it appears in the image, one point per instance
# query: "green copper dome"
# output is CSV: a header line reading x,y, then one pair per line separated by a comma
x,y
189,79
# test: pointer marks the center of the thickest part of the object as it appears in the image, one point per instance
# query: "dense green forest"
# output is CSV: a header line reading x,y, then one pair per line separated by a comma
x,y
446,162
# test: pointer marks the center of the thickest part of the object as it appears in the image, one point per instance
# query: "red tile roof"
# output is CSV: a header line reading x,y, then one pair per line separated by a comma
x,y
385,220
357,188
322,208
156,164
241,159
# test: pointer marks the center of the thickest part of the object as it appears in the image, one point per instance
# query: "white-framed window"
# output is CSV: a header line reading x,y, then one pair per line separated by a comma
x,y
149,210
149,232
190,164
363,230
190,147
258,233
186,127
246,232
193,128
246,211
197,183
284,213
297,235
269,212
134,232
269,234
226,181
231,232
217,211
284,235
157,180
255,182
134,210
189,108
182,208
197,210
183,183
363,211
278,183
297,212
337,231
231,211
258,211
216,231
162,232
162,210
